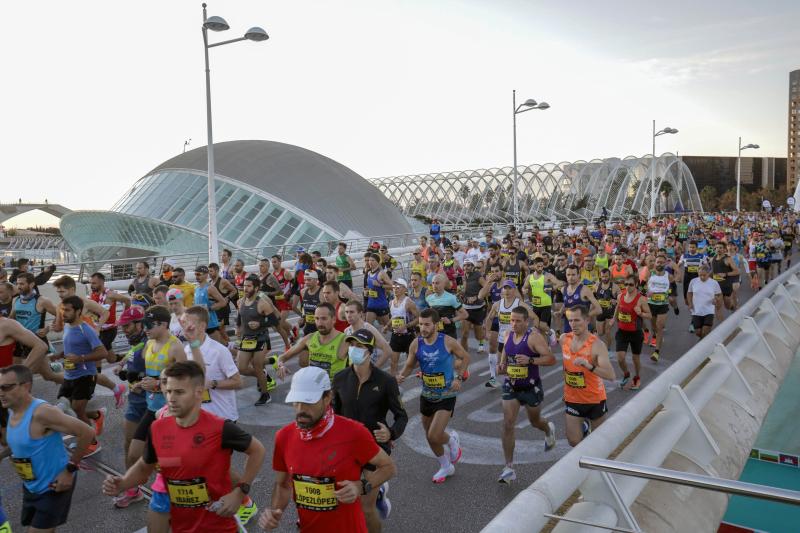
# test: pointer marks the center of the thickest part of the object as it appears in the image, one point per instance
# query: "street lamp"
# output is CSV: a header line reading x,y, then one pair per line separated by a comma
x,y
665,131
253,34
739,170
528,105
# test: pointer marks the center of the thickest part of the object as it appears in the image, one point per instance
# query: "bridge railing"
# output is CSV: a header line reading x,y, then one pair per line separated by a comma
x,y
761,336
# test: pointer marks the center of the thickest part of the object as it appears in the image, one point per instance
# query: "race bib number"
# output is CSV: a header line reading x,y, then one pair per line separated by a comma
x,y
188,492
440,326
537,301
434,381
69,365
604,303
399,323
659,297
719,277
241,294
309,319
206,396
24,468
249,344
693,269
575,380
624,317
372,293
517,371
505,318
315,493
761,255
279,296
787,244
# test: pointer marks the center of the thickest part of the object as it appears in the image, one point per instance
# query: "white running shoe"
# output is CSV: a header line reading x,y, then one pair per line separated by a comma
x,y
455,455
550,437
552,337
481,347
444,473
507,476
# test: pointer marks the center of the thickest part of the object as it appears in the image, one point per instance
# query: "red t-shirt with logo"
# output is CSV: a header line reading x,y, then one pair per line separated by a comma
x,y
314,467
195,462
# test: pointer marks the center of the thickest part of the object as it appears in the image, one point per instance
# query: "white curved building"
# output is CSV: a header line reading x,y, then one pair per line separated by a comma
x,y
579,190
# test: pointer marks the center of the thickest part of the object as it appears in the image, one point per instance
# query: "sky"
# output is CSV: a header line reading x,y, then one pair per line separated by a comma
x,y
387,88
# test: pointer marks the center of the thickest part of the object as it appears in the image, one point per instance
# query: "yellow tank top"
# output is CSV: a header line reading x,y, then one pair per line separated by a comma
x,y
539,298
155,362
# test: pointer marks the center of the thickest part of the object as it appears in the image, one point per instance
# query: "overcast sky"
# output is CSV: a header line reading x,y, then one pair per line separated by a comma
x,y
96,94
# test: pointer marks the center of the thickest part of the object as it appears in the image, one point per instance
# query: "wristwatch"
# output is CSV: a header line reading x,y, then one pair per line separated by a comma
x,y
244,487
213,384
366,487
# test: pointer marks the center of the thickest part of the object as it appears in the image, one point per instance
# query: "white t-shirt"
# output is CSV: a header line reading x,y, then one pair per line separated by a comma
x,y
474,255
219,365
703,293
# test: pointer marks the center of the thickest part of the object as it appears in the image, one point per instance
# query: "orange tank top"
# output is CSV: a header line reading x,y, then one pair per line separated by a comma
x,y
580,385
618,274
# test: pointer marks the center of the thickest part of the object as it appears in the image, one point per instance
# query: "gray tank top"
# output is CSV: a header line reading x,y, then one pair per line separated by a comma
x,y
142,287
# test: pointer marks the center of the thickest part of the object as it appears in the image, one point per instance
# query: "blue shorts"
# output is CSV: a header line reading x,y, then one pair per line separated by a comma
x,y
136,408
159,502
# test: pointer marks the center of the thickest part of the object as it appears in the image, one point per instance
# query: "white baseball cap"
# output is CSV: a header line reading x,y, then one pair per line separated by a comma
x,y
401,281
308,384
170,262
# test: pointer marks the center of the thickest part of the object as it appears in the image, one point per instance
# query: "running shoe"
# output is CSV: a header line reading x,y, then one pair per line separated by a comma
x,y
507,475
549,437
56,367
553,338
264,399
455,455
383,504
119,395
654,356
481,347
100,421
465,375
637,383
443,473
691,328
624,381
653,342
128,497
492,383
646,336
271,383
247,510
677,311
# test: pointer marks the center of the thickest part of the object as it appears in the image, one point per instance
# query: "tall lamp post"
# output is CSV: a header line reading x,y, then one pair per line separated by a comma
x,y
739,171
253,34
522,108
658,133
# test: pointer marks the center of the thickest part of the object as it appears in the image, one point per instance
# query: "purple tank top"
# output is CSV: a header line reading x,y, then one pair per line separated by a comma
x,y
519,376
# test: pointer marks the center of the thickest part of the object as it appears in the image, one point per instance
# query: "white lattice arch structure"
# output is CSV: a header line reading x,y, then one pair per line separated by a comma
x,y
567,190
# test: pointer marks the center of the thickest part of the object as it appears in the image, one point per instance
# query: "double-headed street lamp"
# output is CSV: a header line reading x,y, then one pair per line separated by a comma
x,y
523,107
739,170
253,34
658,133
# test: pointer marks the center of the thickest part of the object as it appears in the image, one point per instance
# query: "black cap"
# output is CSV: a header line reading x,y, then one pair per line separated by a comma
x,y
362,336
157,313
201,268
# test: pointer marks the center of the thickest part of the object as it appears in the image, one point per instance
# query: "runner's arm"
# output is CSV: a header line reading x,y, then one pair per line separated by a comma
x,y
538,344
411,361
643,309
119,297
603,368
298,348
53,419
220,301
398,410
385,469
461,314
177,353
346,292
281,491
386,281
27,338
462,356
734,269
96,309
594,305
411,309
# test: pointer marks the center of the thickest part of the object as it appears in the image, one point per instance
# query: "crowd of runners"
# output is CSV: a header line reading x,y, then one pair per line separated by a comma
x,y
592,296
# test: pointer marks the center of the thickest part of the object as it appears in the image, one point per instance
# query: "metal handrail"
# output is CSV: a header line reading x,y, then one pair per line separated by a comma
x,y
698,481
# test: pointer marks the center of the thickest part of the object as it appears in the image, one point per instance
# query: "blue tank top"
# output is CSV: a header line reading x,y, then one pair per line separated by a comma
x,y
436,364
572,300
520,377
692,263
201,298
37,461
420,302
27,315
376,294
495,293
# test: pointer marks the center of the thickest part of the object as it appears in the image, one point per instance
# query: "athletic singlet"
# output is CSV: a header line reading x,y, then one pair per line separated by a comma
x,y
580,385
495,293
627,318
605,297
309,306
399,315
504,317
201,298
520,377
720,270
325,356
658,288
342,261
601,262
338,324
249,313
436,364
539,296
101,297
142,287
589,277
420,300
27,315
472,286
7,354
376,294
154,363
513,271
571,300
691,265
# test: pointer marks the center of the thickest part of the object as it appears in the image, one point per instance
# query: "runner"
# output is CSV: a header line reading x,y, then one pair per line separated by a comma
x,y
690,261
202,496
204,293
256,316
586,365
704,302
330,294
324,348
326,493
525,350
354,313
606,292
29,309
417,292
367,394
658,283
743,268
143,283
309,301
494,293
345,264
176,309
6,298
473,304
160,295
575,293
35,444
725,272
631,309
283,301
108,299
442,362
540,285
446,305
404,315
377,283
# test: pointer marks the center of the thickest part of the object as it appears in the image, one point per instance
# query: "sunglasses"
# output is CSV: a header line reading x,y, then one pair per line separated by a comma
x,y
630,284
9,386
150,324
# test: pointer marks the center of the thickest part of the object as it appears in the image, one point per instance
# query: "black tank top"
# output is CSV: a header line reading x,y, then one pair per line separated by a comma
x,y
249,313
142,287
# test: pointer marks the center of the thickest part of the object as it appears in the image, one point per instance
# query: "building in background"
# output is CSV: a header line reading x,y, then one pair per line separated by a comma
x,y
268,195
720,172
793,153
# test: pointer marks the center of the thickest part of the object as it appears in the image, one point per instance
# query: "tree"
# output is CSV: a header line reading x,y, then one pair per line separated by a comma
x,y
709,198
726,202
666,188
581,204
464,192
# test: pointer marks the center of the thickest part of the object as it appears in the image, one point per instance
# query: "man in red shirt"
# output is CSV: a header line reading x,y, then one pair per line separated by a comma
x,y
319,459
193,449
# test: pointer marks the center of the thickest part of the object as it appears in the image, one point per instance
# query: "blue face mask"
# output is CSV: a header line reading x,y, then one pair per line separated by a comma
x,y
357,355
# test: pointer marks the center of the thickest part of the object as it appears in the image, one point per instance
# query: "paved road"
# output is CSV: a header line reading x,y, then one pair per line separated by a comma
x,y
466,502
